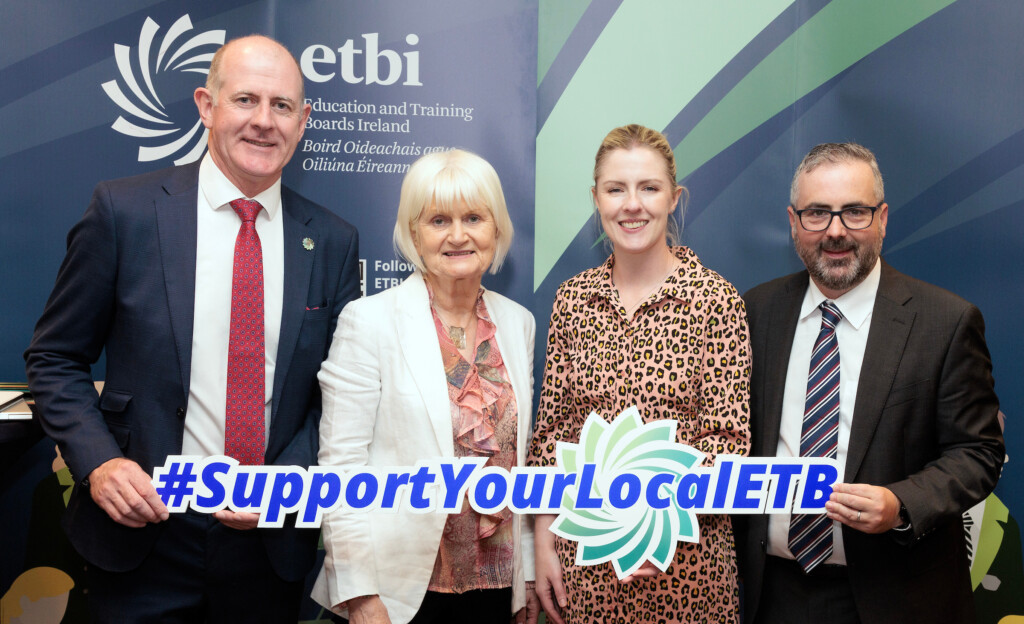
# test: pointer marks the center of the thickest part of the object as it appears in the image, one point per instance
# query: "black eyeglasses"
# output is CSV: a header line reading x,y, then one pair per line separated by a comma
x,y
853,218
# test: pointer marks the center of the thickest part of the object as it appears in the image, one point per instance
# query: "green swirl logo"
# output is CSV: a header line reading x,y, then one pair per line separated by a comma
x,y
624,453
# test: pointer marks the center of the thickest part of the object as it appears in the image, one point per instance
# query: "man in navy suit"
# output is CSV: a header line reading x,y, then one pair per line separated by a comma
x,y
148,277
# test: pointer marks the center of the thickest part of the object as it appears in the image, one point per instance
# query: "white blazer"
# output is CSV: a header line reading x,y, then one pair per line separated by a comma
x,y
385,403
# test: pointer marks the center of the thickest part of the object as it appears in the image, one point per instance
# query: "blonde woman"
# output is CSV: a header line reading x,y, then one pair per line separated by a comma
x,y
654,328
437,367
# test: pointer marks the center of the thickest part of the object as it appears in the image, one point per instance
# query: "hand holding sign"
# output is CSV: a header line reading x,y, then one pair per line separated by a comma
x,y
867,508
122,489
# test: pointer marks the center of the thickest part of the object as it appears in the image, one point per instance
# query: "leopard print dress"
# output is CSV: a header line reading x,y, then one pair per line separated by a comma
x,y
684,354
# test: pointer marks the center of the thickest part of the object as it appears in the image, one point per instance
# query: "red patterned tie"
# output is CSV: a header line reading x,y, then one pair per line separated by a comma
x,y
244,422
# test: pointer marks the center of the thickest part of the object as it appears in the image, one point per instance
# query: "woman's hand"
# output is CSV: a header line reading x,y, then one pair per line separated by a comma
x,y
647,570
240,520
528,614
367,610
550,590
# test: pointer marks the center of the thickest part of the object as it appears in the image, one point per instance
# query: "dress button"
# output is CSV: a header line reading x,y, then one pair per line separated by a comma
x,y
181,412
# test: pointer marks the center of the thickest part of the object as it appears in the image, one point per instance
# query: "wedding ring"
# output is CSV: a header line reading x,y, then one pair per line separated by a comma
x,y
858,516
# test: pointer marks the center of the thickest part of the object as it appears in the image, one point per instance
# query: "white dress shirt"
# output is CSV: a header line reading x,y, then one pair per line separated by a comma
x,y
852,335
217,228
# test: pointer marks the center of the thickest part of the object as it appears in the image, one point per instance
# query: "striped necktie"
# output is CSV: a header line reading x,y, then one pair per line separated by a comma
x,y
810,535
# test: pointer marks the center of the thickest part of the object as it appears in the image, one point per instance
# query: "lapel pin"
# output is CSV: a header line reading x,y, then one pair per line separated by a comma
x,y
307,243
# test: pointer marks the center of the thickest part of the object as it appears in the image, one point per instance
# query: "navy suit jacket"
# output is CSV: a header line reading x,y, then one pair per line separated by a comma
x,y
924,425
127,286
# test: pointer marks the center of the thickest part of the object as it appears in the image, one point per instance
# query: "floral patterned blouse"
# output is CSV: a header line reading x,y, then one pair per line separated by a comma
x,y
477,550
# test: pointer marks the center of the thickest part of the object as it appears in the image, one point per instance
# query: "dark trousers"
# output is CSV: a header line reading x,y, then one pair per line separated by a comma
x,y
199,571
789,596
479,606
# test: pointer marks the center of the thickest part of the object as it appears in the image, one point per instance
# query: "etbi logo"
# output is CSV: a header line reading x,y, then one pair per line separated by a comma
x,y
166,128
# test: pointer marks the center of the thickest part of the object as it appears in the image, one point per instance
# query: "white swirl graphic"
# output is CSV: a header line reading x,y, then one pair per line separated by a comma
x,y
151,118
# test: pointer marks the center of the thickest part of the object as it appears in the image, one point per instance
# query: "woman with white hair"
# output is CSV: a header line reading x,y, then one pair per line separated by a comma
x,y
437,367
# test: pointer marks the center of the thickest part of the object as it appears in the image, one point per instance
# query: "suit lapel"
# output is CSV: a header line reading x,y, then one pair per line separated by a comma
x,y
176,229
891,321
418,342
780,326
298,267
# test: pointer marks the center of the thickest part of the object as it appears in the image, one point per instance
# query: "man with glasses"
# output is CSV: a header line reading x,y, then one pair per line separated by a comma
x,y
890,377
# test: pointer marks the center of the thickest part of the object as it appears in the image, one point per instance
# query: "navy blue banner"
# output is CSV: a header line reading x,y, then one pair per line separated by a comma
x,y
104,90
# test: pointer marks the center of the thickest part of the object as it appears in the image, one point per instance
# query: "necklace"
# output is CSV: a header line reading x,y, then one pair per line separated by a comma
x,y
458,336
455,333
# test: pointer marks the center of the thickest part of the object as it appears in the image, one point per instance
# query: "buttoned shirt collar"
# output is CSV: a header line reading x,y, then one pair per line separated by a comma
x,y
219,191
678,284
855,304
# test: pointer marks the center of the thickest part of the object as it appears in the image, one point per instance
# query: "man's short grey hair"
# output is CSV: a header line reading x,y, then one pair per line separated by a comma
x,y
835,153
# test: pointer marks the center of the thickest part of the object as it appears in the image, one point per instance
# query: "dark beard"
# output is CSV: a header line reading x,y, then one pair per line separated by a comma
x,y
839,275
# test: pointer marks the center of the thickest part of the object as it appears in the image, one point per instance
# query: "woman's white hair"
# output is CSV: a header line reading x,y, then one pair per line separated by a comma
x,y
442,180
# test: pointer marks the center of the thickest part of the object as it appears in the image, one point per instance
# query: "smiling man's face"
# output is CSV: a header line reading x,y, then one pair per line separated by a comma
x,y
837,258
256,115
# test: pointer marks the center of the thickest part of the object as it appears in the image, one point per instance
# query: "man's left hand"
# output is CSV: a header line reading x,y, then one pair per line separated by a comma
x,y
241,520
866,508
